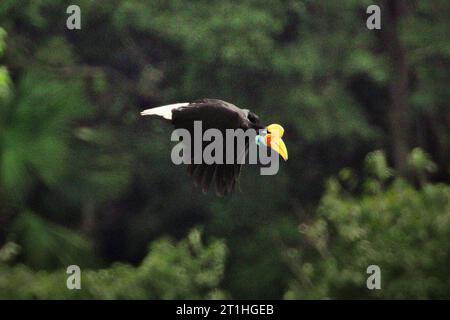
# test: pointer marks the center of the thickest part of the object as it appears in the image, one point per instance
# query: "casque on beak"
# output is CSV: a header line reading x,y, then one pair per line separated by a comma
x,y
273,140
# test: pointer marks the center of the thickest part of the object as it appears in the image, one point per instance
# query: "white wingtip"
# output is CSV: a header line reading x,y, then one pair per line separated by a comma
x,y
164,111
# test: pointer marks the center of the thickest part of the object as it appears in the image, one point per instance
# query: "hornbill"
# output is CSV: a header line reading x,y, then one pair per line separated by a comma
x,y
221,115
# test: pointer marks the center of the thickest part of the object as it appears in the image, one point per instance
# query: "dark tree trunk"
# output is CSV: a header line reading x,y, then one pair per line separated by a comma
x,y
398,114
88,217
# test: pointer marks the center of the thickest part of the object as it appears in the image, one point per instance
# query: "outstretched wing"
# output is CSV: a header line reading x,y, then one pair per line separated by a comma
x,y
220,115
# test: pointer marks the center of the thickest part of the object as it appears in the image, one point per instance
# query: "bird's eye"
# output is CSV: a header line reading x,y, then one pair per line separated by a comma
x,y
253,117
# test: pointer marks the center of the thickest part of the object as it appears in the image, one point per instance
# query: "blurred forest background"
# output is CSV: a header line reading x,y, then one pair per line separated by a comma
x,y
85,180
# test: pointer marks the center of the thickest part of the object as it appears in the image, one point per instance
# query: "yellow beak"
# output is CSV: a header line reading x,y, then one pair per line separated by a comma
x,y
275,129
274,141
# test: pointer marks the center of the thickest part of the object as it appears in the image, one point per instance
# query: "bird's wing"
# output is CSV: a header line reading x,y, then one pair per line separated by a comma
x,y
219,115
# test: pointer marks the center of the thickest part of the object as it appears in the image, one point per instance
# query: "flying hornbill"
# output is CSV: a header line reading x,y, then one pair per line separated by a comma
x,y
221,115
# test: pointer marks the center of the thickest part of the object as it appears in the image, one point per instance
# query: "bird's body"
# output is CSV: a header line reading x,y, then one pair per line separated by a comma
x,y
213,114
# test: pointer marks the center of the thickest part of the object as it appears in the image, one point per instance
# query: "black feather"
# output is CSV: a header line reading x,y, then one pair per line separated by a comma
x,y
220,115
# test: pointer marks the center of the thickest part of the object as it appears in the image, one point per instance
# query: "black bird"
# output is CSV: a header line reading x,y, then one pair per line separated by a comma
x,y
221,115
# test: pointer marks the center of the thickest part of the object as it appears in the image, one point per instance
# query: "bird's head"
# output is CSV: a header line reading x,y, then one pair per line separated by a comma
x,y
271,137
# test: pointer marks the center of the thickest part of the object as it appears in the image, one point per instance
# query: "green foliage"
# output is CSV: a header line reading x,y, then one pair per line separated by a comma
x,y
406,232
421,164
35,130
82,174
5,81
43,245
184,270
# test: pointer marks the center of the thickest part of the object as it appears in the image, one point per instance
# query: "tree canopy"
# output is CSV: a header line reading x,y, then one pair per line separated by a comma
x,y
85,180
